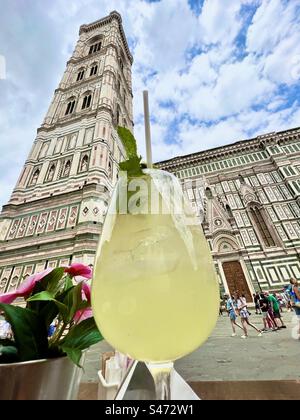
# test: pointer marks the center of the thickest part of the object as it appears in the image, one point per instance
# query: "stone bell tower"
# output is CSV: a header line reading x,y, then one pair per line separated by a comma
x,y
56,211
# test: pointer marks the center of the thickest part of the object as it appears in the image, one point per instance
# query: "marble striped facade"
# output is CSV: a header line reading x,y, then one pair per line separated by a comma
x,y
228,183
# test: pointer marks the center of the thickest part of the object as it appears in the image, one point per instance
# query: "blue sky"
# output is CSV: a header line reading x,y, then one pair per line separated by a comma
x,y
218,71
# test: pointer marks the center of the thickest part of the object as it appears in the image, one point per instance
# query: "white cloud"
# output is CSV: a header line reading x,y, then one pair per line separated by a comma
x,y
273,21
220,21
220,87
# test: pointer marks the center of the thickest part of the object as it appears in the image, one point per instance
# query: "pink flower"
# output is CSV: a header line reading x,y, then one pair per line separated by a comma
x,y
79,270
82,315
25,288
86,291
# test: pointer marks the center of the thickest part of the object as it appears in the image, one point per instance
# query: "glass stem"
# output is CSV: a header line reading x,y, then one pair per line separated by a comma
x,y
161,373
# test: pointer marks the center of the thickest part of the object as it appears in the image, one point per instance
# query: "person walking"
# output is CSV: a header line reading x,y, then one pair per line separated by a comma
x,y
244,314
256,299
231,307
275,308
269,325
295,300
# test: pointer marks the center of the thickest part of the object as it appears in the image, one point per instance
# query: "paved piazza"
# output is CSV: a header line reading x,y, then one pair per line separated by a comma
x,y
274,356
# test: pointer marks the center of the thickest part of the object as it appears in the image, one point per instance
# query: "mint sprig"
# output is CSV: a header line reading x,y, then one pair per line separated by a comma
x,y
132,165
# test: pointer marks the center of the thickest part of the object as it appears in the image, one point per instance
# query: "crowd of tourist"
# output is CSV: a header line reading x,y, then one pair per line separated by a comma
x,y
269,305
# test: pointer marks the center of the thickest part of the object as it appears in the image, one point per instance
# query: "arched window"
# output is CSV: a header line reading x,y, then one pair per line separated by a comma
x,y
70,106
84,163
80,75
109,168
94,70
262,227
95,48
35,176
86,101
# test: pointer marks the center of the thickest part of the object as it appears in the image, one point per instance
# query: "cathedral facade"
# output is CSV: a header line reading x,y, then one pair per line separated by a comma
x,y
249,191
250,195
56,210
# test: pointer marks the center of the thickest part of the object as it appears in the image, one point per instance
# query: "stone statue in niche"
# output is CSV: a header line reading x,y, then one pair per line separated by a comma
x,y
35,177
51,173
67,168
84,164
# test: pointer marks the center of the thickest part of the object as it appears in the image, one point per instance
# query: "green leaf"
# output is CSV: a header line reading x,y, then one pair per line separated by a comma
x,y
30,333
76,300
128,141
8,352
132,166
73,354
51,281
50,309
80,337
48,297
68,283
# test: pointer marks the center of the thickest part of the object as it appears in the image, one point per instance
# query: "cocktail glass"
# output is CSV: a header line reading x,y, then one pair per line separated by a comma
x,y
155,295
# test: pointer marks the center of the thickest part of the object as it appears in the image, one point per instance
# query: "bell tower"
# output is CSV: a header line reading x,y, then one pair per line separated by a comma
x,y
55,213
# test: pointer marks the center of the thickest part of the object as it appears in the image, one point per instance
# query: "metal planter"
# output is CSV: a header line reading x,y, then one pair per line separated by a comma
x,y
48,379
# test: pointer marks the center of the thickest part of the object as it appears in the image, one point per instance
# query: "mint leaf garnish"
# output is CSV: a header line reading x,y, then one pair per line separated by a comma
x,y
132,165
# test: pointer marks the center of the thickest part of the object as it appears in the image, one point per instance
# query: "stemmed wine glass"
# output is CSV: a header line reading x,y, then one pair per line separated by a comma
x,y
155,295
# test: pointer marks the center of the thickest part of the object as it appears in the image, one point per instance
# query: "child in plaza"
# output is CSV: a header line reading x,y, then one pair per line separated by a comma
x,y
244,314
231,307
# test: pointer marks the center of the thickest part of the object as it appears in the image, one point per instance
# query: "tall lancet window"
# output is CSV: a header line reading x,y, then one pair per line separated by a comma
x,y
262,226
80,75
94,70
87,101
71,106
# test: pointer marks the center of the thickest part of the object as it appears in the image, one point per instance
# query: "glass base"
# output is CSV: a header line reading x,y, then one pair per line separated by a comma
x,y
139,384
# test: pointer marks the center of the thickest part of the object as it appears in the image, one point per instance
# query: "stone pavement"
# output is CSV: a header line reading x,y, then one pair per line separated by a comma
x,y
274,356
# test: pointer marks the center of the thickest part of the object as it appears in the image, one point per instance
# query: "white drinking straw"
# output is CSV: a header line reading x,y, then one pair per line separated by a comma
x,y
147,130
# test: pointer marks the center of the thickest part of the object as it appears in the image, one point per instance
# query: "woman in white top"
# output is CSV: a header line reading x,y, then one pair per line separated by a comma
x,y
244,314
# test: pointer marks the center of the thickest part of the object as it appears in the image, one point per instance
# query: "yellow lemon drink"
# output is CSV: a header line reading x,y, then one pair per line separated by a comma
x,y
155,296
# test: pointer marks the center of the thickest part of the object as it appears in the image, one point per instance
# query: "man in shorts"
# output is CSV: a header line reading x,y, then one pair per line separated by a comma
x,y
275,307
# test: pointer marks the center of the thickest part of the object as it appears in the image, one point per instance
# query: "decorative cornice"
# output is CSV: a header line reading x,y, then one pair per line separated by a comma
x,y
105,21
231,150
